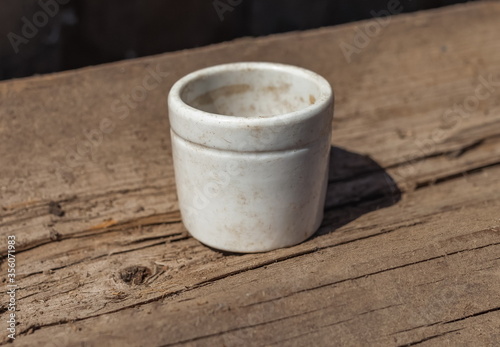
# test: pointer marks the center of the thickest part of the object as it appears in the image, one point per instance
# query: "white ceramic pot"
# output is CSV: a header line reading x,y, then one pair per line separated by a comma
x,y
251,145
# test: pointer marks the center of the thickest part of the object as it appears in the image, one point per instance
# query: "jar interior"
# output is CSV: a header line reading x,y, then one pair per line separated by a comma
x,y
251,92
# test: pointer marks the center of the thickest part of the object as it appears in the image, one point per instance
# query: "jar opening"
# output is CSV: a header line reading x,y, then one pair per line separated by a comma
x,y
251,92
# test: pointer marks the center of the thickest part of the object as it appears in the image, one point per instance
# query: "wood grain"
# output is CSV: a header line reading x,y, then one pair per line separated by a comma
x,y
408,253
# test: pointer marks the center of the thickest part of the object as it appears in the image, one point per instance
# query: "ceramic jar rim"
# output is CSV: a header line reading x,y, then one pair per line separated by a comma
x,y
324,87
236,133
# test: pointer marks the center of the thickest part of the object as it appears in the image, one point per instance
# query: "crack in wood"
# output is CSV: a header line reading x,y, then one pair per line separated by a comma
x,y
429,338
181,237
455,153
220,333
473,315
466,148
455,176
475,144
285,318
373,273
157,219
44,204
415,328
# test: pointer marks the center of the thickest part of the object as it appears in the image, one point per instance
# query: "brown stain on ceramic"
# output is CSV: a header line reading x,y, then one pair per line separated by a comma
x,y
282,88
211,96
312,99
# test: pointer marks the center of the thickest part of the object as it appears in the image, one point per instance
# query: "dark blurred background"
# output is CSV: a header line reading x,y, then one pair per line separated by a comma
x,y
41,36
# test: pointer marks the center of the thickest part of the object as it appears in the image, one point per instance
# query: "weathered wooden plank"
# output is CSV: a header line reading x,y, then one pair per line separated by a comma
x,y
412,235
423,269
420,281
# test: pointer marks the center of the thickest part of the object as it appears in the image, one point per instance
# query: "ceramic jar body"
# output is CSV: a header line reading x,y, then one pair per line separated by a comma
x,y
251,145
